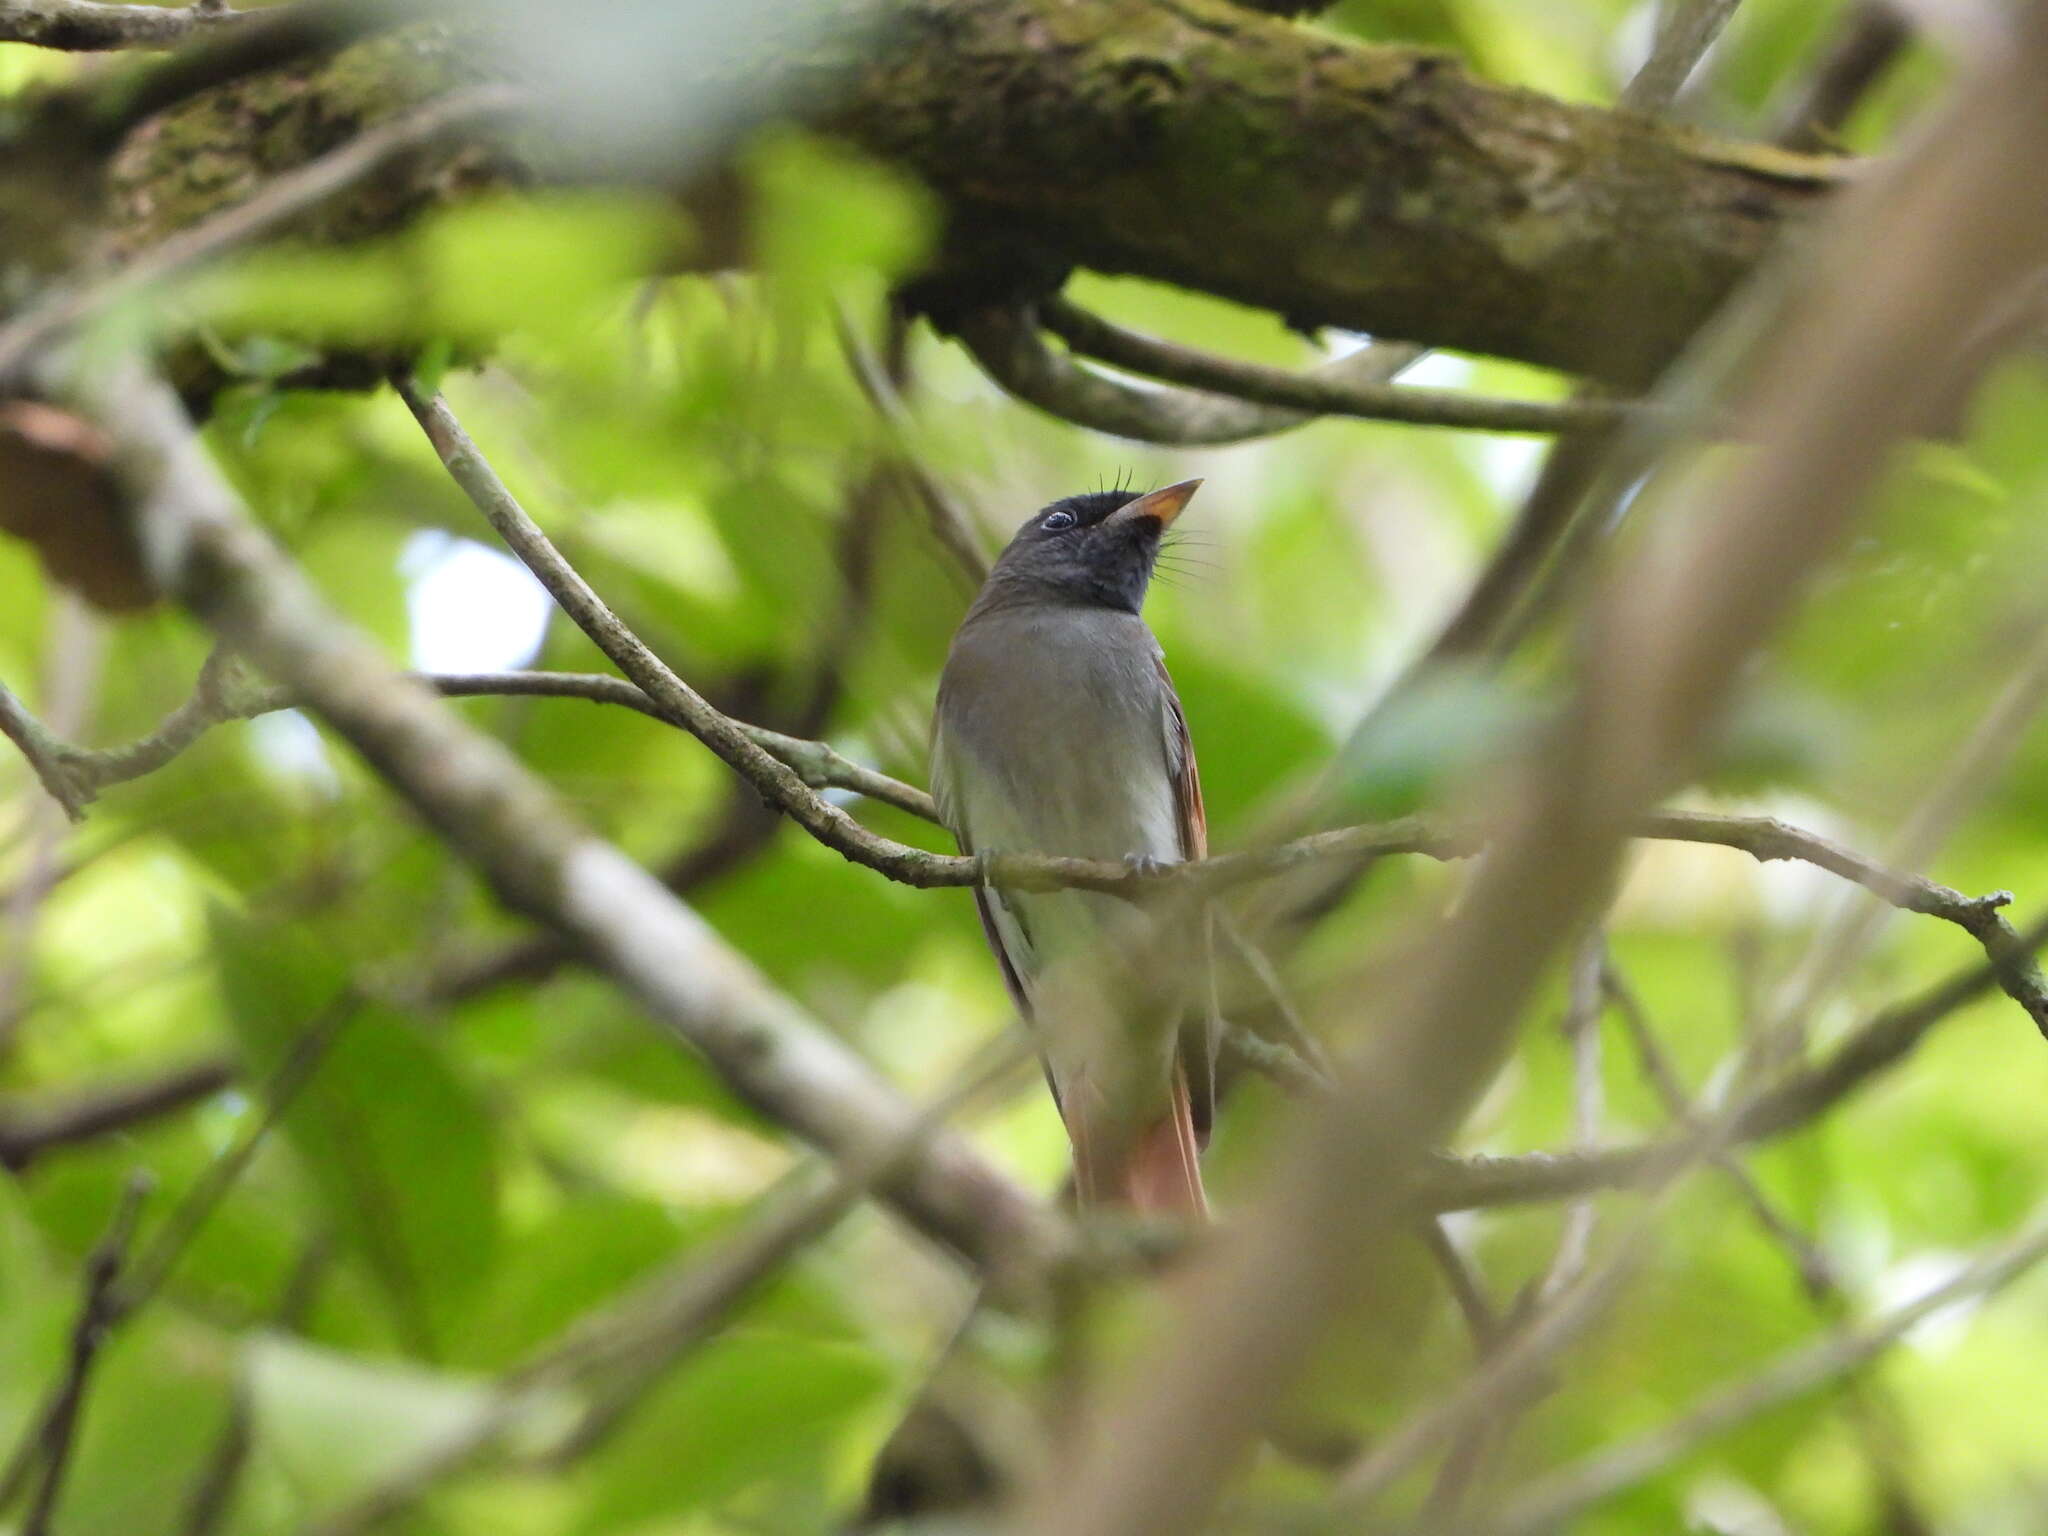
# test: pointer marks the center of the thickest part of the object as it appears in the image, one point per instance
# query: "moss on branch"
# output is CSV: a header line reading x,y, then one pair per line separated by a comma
x,y
1373,188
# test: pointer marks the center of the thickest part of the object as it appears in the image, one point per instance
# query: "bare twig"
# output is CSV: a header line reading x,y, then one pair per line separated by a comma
x,y
88,26
679,702
744,825
1961,779
1552,1501
214,702
953,525
44,753
97,1314
207,706
1795,1100
1876,1421
1291,1055
1816,1275
70,677
1869,37
1334,390
1582,1036
815,765
1509,1378
1481,1439
1009,349
153,1265
1468,1291
29,1131
1686,29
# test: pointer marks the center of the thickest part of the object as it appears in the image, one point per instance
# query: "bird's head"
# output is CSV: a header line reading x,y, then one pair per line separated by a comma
x,y
1092,550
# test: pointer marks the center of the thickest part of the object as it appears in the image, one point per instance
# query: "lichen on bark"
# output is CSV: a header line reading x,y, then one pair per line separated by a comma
x,y
1374,188
216,149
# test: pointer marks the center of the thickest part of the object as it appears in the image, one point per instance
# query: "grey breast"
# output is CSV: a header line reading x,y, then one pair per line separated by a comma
x,y
1053,735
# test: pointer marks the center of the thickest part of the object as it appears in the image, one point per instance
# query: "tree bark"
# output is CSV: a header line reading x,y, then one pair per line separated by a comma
x,y
1377,189
1371,188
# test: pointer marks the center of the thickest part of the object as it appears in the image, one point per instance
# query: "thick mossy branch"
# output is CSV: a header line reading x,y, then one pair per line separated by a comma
x,y
220,148
1380,189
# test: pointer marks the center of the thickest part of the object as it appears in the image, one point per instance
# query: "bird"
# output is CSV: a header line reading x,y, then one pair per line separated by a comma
x,y
1058,731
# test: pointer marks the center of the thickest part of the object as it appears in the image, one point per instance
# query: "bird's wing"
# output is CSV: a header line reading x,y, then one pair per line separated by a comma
x,y
1187,779
1199,1042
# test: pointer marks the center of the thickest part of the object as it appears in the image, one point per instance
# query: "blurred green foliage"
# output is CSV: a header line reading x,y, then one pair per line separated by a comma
x,y
470,1175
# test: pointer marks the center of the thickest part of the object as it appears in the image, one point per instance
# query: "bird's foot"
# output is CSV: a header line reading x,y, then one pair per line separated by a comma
x,y
1148,866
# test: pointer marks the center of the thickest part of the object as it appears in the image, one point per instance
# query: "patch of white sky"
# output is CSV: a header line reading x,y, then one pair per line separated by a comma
x,y
468,609
1917,1275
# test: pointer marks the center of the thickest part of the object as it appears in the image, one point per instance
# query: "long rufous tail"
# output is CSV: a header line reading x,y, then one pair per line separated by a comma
x,y
1158,1170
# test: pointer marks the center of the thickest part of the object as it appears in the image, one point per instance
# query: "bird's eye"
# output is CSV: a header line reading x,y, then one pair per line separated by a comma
x,y
1056,521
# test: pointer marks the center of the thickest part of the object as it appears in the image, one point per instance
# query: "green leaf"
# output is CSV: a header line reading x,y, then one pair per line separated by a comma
x,y
400,1148
823,213
575,1258
339,1423
755,1406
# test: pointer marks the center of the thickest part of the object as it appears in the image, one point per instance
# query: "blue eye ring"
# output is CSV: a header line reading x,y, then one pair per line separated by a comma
x,y
1058,521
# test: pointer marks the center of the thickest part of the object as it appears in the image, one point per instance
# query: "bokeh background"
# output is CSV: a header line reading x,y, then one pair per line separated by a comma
x,y
497,1143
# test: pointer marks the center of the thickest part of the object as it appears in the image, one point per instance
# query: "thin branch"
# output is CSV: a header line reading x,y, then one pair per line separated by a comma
x,y
215,702
1876,1420
1289,1054
1508,1379
1868,39
97,1313
1581,1030
680,703
1009,349
86,26
44,753
1468,1291
281,199
1816,1275
153,1266
1479,1441
814,765
29,1131
1882,1041
1686,29
953,525
817,764
1292,1070
1329,391
1551,1502
1766,839
207,706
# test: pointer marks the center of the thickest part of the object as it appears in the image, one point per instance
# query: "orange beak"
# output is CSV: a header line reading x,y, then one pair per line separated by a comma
x,y
1164,504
